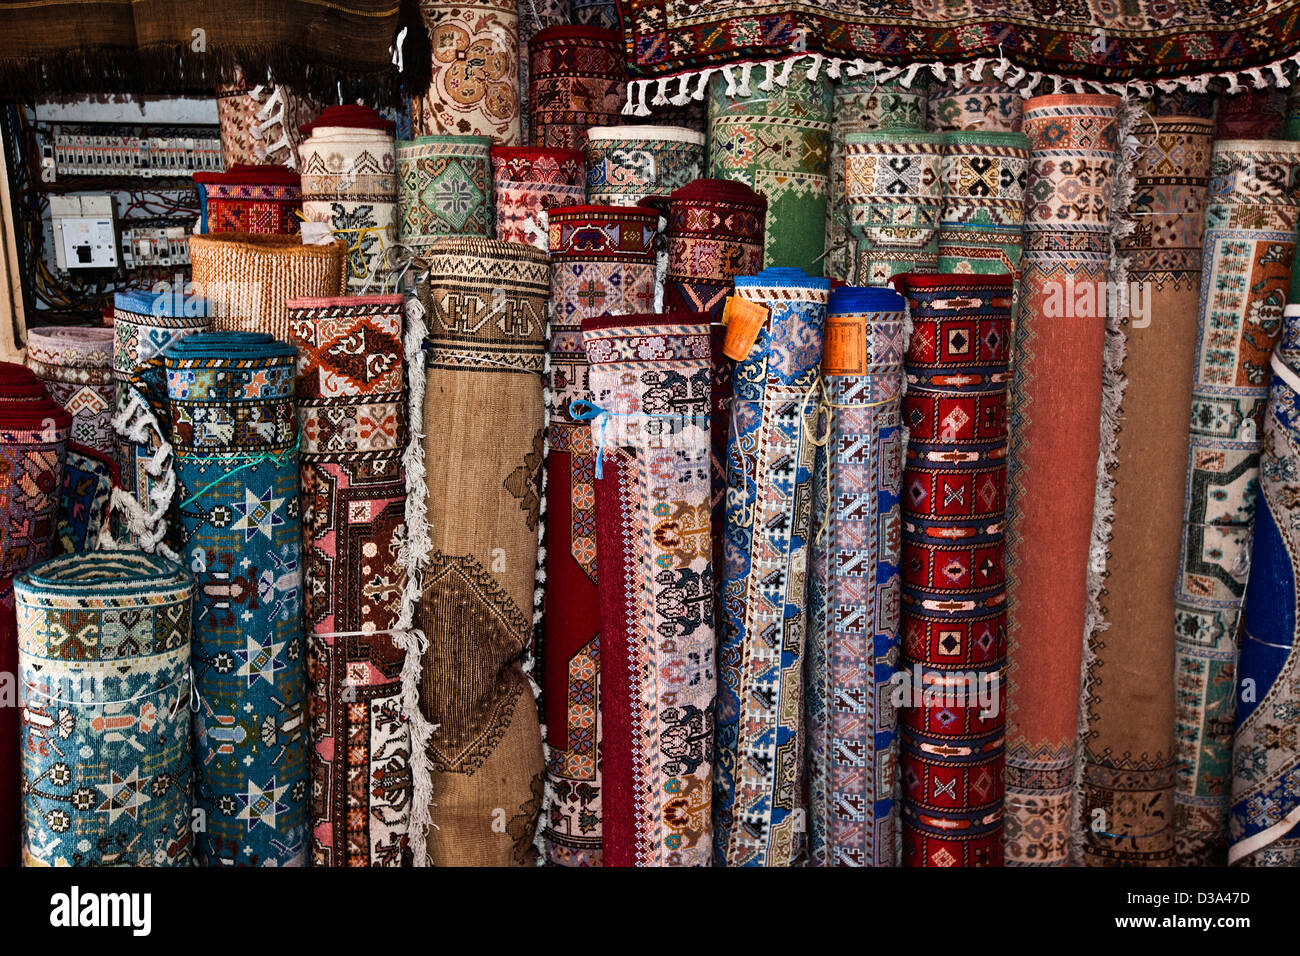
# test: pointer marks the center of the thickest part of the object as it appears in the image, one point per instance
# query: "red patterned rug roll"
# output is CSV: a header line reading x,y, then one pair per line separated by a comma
x,y
715,233
649,411
250,199
603,263
526,182
954,642
33,442
578,79
349,389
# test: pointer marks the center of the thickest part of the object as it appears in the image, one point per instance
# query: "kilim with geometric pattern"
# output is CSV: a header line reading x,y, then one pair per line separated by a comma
x,y
76,364
577,80
1250,244
853,591
651,392
778,143
1054,416
483,440
604,262
33,446
234,431
526,182
350,386
893,192
104,666
250,199
758,803
444,189
982,223
952,716
860,104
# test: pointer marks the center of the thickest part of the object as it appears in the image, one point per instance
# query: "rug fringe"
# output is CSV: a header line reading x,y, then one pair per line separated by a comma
x,y
999,68
1114,385
531,658
412,556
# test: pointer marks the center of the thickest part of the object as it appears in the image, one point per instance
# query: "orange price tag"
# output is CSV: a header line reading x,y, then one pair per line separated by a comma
x,y
743,320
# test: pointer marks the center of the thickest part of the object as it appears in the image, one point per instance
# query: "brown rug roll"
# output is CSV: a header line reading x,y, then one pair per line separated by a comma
x,y
483,428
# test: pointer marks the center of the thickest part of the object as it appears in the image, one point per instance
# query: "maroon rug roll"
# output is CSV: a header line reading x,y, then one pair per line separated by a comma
x,y
715,233
578,79
33,443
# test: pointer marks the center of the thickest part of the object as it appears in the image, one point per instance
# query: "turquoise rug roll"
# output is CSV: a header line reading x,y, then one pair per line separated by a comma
x,y
234,434
104,666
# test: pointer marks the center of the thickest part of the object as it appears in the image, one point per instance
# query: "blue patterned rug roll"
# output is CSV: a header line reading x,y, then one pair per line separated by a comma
x,y
145,323
234,433
104,658
1264,815
775,333
853,591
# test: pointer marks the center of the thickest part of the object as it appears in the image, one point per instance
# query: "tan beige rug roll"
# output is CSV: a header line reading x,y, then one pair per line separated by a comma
x,y
248,277
483,427
1130,658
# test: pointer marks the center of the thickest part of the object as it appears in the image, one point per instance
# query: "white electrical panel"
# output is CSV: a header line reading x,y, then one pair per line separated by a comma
x,y
84,234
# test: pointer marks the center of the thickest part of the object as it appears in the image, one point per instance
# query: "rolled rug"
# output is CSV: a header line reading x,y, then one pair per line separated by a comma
x,y
350,398
250,199
483,441
1264,812
349,186
85,495
853,591
261,123
649,411
76,365
578,78
1055,415
534,15
234,433
952,718
104,669
775,334
1147,395
528,181
603,261
33,447
600,13
445,189
894,195
475,88
1251,114
247,278
982,107
144,324
1250,240
861,104
778,143
625,164
715,233
981,225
